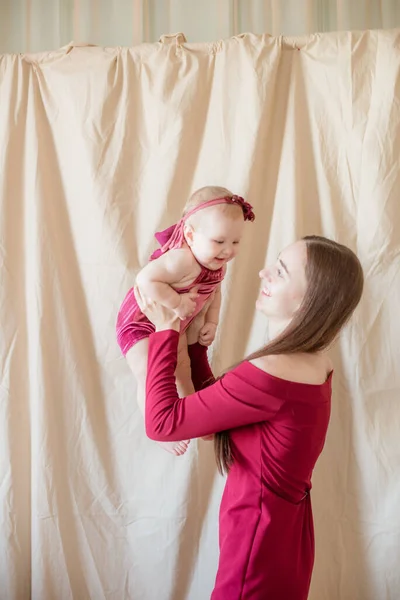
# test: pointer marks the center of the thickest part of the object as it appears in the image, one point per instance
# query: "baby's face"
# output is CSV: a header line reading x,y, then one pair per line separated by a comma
x,y
215,235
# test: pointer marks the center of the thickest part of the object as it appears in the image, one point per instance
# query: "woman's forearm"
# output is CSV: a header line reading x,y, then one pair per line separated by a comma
x,y
160,292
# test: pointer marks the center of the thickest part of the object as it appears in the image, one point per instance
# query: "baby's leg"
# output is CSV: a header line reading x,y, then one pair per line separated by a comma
x,y
137,361
183,374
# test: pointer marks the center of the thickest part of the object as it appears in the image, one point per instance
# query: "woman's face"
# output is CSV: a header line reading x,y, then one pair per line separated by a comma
x,y
284,284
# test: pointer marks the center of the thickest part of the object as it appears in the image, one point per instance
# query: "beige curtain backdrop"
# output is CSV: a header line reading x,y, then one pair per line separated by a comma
x,y
38,25
99,148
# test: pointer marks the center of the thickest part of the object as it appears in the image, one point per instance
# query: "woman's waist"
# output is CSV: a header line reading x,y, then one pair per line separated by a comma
x,y
250,494
284,481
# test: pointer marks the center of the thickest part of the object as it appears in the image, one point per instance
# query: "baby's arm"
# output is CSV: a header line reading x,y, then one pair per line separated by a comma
x,y
156,278
208,331
212,315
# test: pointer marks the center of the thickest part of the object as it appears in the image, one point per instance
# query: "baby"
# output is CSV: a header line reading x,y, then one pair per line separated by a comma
x,y
185,275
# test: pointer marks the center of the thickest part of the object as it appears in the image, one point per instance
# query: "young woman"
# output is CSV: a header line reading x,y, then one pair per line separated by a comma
x,y
270,415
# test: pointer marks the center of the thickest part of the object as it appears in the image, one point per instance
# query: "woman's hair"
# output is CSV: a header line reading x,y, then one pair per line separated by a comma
x,y
334,286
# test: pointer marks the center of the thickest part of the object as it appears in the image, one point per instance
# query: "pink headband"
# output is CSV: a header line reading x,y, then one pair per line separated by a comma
x,y
177,237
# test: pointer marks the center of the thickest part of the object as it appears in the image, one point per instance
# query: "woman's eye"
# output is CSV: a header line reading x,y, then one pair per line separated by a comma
x,y
279,271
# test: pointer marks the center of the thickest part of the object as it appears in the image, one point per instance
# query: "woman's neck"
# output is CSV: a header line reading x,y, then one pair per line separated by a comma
x,y
275,328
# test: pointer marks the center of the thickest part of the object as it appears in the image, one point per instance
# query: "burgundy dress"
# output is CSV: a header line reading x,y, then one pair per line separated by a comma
x,y
277,430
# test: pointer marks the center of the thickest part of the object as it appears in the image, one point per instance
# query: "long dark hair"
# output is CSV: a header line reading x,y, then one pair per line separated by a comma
x,y
335,283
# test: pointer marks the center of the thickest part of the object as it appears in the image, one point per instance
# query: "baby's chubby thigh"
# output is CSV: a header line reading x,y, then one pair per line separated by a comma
x,y
136,358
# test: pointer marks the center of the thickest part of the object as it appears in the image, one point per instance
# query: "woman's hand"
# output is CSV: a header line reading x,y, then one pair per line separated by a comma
x,y
162,317
186,307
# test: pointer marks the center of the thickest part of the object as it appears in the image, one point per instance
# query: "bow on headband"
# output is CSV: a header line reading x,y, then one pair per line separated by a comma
x,y
245,206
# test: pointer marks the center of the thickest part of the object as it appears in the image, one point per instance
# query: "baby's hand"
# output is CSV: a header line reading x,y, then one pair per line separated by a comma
x,y
187,305
207,333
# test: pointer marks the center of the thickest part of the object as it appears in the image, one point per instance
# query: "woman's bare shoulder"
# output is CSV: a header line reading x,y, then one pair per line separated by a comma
x,y
312,369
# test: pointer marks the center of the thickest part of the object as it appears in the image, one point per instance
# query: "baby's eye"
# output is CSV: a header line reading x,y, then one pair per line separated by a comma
x,y
235,243
218,241
279,271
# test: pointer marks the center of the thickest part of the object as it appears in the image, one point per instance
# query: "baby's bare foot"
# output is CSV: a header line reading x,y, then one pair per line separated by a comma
x,y
176,448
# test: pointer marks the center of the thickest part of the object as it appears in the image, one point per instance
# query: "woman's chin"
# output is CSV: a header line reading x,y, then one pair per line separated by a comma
x,y
260,307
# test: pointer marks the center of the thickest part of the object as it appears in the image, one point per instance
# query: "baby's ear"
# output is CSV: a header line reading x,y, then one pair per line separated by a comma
x,y
188,232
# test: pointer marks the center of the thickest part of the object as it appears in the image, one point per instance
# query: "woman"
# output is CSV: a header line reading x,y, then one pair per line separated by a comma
x,y
273,411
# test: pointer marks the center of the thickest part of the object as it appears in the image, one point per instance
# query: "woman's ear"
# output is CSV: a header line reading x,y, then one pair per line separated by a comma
x,y
188,233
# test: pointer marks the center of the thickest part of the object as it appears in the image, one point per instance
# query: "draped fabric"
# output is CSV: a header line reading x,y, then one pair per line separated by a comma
x,y
38,25
100,148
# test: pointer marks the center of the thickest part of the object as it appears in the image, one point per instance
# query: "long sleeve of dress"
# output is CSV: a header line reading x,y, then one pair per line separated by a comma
x,y
233,401
202,376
